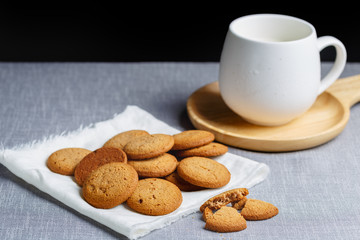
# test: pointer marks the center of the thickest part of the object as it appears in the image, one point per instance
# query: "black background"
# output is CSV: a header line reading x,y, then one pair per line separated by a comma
x,y
155,33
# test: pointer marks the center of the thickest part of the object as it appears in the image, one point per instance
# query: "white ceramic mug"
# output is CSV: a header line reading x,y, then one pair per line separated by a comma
x,y
270,68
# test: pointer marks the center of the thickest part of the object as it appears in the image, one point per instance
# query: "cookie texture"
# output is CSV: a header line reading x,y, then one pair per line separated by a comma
x,y
159,166
155,196
192,138
148,146
226,219
222,199
121,139
209,150
255,209
207,213
181,183
96,159
64,161
239,205
110,185
203,172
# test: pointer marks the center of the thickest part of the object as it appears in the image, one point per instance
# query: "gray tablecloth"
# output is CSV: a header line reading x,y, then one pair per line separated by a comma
x,y
317,190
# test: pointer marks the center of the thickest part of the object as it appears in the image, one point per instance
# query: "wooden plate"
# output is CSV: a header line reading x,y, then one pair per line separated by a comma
x,y
322,122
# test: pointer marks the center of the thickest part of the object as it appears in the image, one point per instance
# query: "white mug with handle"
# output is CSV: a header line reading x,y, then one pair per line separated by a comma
x,y
270,68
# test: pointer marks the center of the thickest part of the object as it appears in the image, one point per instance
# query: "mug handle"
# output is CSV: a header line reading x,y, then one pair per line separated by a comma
x,y
339,63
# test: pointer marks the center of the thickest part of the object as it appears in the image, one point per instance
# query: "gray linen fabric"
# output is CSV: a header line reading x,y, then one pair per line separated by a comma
x,y
317,190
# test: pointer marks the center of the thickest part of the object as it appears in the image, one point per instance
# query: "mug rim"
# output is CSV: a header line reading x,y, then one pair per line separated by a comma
x,y
236,21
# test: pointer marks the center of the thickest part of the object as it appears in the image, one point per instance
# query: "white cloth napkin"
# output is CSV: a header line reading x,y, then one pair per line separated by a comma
x,y
29,163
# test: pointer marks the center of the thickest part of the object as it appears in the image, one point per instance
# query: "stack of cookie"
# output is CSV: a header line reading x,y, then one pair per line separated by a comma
x,y
147,171
197,143
196,169
148,155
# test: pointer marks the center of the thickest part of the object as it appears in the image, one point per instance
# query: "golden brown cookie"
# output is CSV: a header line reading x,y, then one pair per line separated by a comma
x,y
239,204
159,166
121,139
64,161
212,149
192,138
207,213
258,210
155,196
110,185
225,198
181,183
203,172
149,146
96,159
226,219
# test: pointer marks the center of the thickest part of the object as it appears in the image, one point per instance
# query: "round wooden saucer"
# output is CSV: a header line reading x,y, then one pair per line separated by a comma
x,y
322,122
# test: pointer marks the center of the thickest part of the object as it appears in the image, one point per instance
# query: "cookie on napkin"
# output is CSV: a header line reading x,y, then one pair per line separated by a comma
x,y
181,183
155,196
65,160
121,139
96,159
252,172
212,149
149,146
110,185
192,138
159,166
203,172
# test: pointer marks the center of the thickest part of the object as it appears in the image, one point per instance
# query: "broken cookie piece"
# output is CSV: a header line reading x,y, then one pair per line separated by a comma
x,y
226,219
225,198
255,209
240,204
